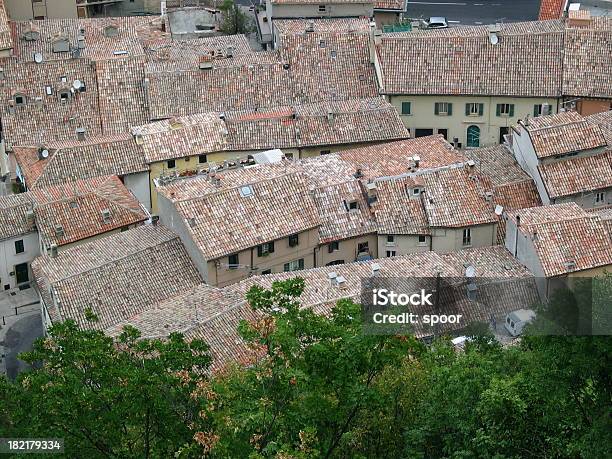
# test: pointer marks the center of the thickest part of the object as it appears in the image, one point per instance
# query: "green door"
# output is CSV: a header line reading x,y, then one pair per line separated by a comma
x,y
473,136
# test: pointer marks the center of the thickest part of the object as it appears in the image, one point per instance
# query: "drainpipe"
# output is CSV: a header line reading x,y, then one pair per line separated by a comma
x,y
516,235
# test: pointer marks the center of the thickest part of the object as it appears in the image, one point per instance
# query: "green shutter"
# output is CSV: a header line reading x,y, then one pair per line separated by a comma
x,y
271,247
498,110
259,251
301,263
286,267
480,109
450,109
436,109
536,110
511,110
406,108
467,109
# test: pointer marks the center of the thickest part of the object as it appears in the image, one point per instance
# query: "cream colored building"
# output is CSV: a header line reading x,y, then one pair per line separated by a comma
x,y
22,10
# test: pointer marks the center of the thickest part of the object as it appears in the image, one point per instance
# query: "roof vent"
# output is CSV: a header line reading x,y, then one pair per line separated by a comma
x,y
499,210
229,52
332,277
488,196
205,62
310,26
80,132
570,264
60,44
471,163
38,58
106,216
53,251
59,231
341,282
30,218
330,115
81,41
375,268
31,33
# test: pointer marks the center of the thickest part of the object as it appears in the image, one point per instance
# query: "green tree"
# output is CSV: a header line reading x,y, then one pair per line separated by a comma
x,y
235,20
127,398
321,386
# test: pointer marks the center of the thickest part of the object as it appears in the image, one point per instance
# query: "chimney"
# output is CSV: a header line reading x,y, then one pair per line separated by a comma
x,y
53,251
417,160
579,18
205,62
310,26
80,132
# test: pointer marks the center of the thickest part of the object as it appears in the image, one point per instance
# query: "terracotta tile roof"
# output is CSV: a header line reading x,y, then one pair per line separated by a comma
x,y
13,210
144,265
455,197
604,121
287,27
191,50
606,218
299,126
563,133
551,9
394,158
566,238
396,211
337,221
512,188
512,67
587,67
86,87
490,262
308,68
6,40
78,208
223,221
399,5
74,160
577,175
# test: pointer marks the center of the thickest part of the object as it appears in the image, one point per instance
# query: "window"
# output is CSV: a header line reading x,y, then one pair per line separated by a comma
x,y
353,205
473,109
416,191
541,109
19,248
265,249
422,239
232,261
325,152
333,246
443,109
391,253
322,8
171,163
473,136
406,108
202,159
422,132
600,197
294,265
362,247
64,95
505,110
467,237
444,133
267,271
20,99
390,238
294,240
289,156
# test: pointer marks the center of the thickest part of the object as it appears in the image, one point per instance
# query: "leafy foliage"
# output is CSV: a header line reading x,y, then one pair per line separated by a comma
x,y
235,20
323,389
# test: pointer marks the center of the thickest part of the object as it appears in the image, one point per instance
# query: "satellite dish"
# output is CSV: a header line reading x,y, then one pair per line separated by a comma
x,y
493,39
44,153
470,271
76,84
38,58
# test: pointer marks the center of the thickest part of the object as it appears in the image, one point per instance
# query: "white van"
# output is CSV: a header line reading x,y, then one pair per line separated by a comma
x,y
516,320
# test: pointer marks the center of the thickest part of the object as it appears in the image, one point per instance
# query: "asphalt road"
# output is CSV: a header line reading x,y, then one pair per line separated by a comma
x,y
19,338
470,12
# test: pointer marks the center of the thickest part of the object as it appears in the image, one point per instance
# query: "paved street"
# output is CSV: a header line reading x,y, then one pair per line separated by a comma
x,y
476,11
20,325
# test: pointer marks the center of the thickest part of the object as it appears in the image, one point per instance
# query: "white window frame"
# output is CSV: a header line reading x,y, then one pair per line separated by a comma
x,y
474,108
502,111
467,237
600,197
442,108
391,253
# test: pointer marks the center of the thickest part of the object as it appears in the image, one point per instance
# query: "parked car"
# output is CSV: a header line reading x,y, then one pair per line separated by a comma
x,y
436,23
516,320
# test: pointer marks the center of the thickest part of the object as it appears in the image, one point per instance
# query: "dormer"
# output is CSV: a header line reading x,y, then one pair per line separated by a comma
x,y
19,99
60,44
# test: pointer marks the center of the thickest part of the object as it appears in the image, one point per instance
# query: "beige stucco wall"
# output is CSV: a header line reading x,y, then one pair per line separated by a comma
x,y
8,257
220,274
23,10
451,239
403,244
347,250
422,115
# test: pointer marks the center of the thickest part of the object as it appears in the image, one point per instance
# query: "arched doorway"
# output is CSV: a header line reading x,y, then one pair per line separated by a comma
x,y
473,136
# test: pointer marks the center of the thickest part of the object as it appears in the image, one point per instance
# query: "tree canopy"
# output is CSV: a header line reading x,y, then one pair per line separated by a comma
x,y
323,389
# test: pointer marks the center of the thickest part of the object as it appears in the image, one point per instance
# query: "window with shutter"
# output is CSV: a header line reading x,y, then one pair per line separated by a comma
x,y
406,108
